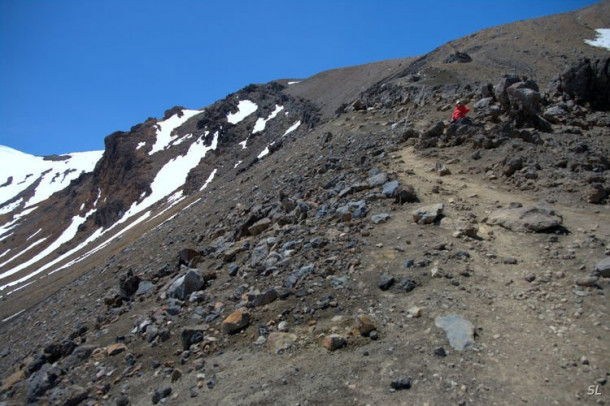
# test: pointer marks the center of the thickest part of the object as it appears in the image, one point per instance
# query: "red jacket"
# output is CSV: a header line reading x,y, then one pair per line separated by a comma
x,y
459,112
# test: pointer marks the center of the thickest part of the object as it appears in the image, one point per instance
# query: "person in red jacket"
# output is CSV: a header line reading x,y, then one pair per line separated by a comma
x,y
460,111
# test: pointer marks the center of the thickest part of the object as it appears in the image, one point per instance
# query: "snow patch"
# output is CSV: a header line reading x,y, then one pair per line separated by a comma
x,y
292,128
244,109
11,259
165,128
262,122
53,176
34,235
66,236
13,316
209,180
602,40
140,145
10,207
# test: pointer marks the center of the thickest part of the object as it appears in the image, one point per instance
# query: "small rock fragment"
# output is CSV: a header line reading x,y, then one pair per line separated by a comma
x,y
402,383
333,342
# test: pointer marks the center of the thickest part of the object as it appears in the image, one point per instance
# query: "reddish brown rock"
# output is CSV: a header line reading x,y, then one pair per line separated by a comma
x,y
237,321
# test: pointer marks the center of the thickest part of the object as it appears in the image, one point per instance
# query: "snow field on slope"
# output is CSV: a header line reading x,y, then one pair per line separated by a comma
x,y
26,169
171,177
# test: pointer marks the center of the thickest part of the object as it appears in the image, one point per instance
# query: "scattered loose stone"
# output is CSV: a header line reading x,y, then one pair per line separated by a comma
x,y
436,272
440,352
176,374
380,218
602,268
407,284
115,349
428,214
190,336
333,342
264,298
386,282
587,281
530,277
402,383
365,325
122,401
237,321
415,312
442,170
278,342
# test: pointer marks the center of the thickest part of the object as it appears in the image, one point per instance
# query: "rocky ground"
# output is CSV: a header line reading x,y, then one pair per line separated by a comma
x,y
385,257
315,284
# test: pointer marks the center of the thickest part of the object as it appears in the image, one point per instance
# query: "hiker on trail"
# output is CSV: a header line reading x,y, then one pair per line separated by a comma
x,y
459,112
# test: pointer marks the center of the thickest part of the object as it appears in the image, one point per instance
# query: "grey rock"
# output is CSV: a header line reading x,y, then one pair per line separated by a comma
x,y
587,281
358,209
554,114
405,194
258,255
264,298
390,188
402,383
529,219
182,287
380,218
294,277
428,214
259,226
190,336
440,352
460,331
407,284
386,282
43,380
530,277
377,180
145,288
602,268
233,269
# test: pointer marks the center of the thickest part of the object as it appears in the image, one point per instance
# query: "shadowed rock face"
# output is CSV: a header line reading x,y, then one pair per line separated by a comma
x,y
588,82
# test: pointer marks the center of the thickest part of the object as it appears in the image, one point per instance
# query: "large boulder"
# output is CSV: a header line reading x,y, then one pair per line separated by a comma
x,y
528,219
186,284
524,104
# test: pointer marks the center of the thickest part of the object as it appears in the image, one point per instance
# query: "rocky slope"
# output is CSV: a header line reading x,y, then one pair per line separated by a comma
x,y
376,255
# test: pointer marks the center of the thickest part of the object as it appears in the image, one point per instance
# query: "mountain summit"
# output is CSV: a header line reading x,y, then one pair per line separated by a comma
x,y
329,240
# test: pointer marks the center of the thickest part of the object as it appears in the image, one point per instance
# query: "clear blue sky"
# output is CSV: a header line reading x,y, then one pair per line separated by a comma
x,y
74,71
